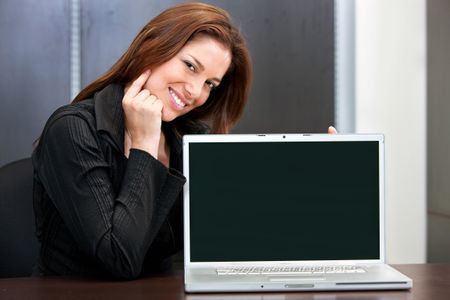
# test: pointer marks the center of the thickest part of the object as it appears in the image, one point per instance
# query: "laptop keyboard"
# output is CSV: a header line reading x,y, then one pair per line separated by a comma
x,y
298,270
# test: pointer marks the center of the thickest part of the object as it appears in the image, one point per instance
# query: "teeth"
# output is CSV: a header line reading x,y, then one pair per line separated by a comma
x,y
177,100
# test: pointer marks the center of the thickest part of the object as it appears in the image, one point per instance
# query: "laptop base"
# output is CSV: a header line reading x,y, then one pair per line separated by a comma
x,y
377,277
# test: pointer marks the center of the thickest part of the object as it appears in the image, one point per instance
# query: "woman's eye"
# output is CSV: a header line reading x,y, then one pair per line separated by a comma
x,y
190,66
210,85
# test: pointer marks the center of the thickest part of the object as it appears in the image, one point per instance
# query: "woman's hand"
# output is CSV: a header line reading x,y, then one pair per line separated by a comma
x,y
332,130
142,116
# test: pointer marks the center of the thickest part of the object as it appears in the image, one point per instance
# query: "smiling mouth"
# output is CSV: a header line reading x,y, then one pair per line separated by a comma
x,y
176,100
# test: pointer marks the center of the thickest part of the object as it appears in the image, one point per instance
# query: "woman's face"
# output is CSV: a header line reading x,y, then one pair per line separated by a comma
x,y
185,81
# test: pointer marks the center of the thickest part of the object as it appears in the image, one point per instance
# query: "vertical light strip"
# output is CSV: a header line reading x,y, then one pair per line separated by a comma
x,y
391,99
344,111
75,49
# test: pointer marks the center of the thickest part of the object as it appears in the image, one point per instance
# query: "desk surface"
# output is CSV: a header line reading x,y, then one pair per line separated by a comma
x,y
431,281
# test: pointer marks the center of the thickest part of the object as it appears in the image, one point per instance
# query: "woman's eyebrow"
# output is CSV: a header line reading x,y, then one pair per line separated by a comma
x,y
200,65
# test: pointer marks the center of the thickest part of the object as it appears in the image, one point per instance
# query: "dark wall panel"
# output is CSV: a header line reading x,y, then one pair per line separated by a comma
x,y
438,131
108,28
34,64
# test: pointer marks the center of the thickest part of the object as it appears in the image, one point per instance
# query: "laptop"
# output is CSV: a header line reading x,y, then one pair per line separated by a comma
x,y
285,212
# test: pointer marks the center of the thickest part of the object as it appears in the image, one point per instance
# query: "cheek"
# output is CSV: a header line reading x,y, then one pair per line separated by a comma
x,y
150,84
156,81
202,100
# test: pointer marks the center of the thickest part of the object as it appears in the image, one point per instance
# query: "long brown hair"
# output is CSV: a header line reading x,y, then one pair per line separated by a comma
x,y
164,36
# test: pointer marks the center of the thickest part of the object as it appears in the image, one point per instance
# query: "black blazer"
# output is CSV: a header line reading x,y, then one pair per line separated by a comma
x,y
97,212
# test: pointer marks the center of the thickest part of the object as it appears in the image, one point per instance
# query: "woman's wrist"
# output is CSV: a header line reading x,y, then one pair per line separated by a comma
x,y
150,146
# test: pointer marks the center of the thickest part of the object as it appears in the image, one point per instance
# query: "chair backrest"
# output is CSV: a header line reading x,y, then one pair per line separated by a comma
x,y
18,242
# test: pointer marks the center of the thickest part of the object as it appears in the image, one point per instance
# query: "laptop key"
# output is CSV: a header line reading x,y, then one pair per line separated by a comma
x,y
290,270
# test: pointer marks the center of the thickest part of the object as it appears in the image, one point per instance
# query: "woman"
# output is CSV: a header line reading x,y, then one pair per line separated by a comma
x,y
107,167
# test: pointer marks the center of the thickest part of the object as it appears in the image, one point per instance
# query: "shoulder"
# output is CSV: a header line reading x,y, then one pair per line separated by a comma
x,y
77,112
72,121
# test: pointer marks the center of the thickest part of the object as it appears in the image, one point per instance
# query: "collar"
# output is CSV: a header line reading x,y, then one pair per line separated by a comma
x,y
109,113
173,138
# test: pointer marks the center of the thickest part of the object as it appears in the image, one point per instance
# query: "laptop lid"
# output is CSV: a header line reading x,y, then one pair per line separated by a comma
x,y
280,199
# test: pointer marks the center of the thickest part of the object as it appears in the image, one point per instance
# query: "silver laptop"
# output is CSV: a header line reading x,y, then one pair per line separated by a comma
x,y
292,212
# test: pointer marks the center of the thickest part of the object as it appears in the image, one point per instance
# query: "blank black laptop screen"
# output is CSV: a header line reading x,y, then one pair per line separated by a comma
x,y
282,201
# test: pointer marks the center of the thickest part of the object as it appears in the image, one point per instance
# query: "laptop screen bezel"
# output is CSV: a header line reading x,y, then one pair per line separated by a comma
x,y
233,138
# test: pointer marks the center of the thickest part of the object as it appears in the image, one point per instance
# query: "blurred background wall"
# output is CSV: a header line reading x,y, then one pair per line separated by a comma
x,y
438,130
390,84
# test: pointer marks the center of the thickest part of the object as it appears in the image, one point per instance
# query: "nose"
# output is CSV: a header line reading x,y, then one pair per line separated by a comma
x,y
194,88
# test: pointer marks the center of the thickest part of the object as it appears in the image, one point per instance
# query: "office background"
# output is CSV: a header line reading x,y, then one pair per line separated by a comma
x,y
376,66
292,50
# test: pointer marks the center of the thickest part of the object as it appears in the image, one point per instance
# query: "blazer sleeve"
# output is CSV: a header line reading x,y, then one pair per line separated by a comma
x,y
114,228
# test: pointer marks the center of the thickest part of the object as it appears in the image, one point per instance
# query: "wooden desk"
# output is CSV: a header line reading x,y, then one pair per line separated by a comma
x,y
431,282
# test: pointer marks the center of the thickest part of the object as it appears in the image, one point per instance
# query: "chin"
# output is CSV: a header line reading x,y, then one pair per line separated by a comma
x,y
168,117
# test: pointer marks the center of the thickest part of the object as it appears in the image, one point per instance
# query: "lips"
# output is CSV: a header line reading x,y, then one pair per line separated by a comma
x,y
176,101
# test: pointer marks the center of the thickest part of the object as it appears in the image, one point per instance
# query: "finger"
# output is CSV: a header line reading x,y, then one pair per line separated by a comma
x,y
158,104
148,98
332,130
142,95
136,86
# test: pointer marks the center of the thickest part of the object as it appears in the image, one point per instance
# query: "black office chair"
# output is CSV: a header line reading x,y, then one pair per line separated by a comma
x,y
18,243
